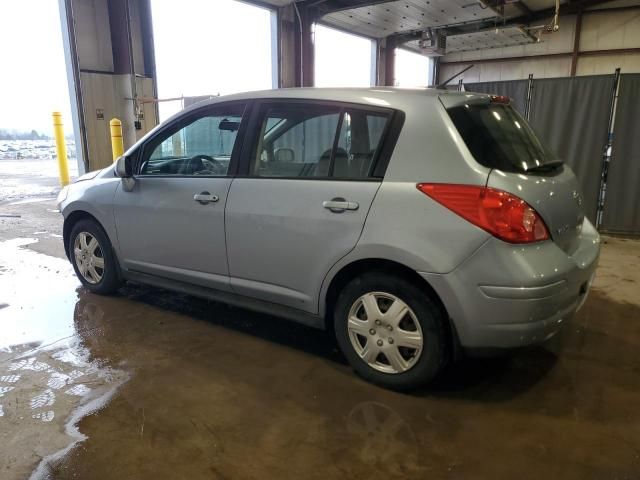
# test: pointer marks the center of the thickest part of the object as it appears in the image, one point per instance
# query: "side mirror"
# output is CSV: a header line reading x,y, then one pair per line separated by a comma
x,y
123,167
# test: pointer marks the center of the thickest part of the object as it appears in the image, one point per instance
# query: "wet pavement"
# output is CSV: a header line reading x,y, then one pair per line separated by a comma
x,y
161,385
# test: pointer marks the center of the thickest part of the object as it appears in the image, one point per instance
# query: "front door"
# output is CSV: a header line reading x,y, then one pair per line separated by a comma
x,y
303,202
171,224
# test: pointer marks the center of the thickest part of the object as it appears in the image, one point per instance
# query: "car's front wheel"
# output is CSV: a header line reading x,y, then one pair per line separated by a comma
x,y
390,330
92,257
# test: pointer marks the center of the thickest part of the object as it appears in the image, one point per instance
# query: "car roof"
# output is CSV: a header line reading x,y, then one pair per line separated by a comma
x,y
392,97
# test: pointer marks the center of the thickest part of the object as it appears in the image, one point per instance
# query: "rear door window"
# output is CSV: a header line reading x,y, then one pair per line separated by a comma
x,y
320,141
358,143
498,137
296,141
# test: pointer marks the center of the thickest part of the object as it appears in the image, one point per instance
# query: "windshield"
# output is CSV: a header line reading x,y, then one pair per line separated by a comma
x,y
498,137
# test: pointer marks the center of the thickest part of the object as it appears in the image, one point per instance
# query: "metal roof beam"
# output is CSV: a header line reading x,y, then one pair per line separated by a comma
x,y
565,9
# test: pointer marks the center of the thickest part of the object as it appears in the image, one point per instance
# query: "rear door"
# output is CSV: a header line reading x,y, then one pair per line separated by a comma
x,y
499,138
171,224
301,204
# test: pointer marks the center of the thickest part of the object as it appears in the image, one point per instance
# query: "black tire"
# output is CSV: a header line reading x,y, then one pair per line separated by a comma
x,y
428,314
110,279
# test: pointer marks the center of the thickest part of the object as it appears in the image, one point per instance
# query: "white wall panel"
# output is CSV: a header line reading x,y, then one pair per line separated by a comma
x,y
605,31
486,72
98,94
109,94
628,63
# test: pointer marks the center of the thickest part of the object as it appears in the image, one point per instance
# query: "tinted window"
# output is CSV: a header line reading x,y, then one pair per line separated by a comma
x,y
358,143
298,141
201,147
498,137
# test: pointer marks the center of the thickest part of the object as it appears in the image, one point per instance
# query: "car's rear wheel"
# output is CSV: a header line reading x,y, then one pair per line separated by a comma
x,y
390,330
92,257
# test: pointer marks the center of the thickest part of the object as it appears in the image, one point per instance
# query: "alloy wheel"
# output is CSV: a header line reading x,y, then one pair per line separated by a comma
x,y
88,257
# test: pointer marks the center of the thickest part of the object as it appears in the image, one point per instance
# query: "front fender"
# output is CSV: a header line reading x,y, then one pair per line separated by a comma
x,y
94,197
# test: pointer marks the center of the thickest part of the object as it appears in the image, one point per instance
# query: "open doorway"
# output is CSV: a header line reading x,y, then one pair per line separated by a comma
x,y
211,48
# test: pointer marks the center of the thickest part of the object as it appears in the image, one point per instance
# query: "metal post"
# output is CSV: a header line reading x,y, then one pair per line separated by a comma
x,y
607,155
527,106
61,148
436,71
390,62
117,145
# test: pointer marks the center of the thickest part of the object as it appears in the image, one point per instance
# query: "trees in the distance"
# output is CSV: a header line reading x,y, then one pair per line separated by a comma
x,y
16,135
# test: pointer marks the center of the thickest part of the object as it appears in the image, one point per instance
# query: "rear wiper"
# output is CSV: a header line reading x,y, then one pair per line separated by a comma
x,y
545,167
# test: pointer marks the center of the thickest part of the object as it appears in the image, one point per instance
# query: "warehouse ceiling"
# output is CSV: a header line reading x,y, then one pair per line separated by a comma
x,y
467,24
482,39
384,19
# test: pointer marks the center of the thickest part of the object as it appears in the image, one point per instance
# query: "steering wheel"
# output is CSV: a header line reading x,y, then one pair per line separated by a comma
x,y
215,167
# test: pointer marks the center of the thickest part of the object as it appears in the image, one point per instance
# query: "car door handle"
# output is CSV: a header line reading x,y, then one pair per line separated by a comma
x,y
204,198
339,205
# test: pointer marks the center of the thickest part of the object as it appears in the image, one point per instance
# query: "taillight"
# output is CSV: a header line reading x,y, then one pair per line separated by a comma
x,y
500,213
502,99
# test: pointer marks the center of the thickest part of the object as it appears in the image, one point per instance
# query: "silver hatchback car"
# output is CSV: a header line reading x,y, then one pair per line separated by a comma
x,y
414,223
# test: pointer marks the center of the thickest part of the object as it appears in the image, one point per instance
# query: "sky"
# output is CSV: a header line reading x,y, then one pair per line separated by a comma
x,y
196,54
34,80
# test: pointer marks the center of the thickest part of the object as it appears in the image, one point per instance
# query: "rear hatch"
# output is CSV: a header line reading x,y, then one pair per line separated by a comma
x,y
499,138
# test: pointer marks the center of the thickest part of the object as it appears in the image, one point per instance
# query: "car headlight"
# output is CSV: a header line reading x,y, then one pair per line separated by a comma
x,y
62,196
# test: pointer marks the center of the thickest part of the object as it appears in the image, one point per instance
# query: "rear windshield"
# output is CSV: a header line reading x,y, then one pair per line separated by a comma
x,y
498,137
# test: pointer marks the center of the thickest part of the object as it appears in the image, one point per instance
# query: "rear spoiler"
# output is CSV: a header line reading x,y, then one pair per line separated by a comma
x,y
468,98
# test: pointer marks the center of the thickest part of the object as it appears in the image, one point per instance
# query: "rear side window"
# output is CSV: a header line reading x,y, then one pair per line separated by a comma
x,y
319,141
498,137
358,142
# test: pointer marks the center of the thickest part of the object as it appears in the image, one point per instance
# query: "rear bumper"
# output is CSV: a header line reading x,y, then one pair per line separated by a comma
x,y
507,296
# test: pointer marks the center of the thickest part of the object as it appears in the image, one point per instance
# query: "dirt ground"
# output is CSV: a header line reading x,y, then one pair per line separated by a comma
x,y
152,384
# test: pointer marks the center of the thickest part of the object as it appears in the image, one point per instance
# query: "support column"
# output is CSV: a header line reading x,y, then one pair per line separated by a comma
x,y
307,47
390,61
296,46
576,43
287,47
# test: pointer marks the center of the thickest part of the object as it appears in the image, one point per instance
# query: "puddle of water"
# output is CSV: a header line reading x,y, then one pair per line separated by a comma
x,y
48,380
39,293
213,383
31,200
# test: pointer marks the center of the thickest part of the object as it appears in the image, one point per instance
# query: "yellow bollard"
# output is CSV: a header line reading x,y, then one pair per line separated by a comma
x,y
117,145
61,148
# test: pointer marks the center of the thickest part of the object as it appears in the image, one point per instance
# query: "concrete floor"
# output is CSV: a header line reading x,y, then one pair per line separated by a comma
x,y
151,384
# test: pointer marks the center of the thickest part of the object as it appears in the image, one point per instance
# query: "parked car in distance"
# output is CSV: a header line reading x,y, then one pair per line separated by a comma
x,y
413,223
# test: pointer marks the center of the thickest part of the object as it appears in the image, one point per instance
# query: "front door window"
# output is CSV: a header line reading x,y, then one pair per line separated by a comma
x,y
203,146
